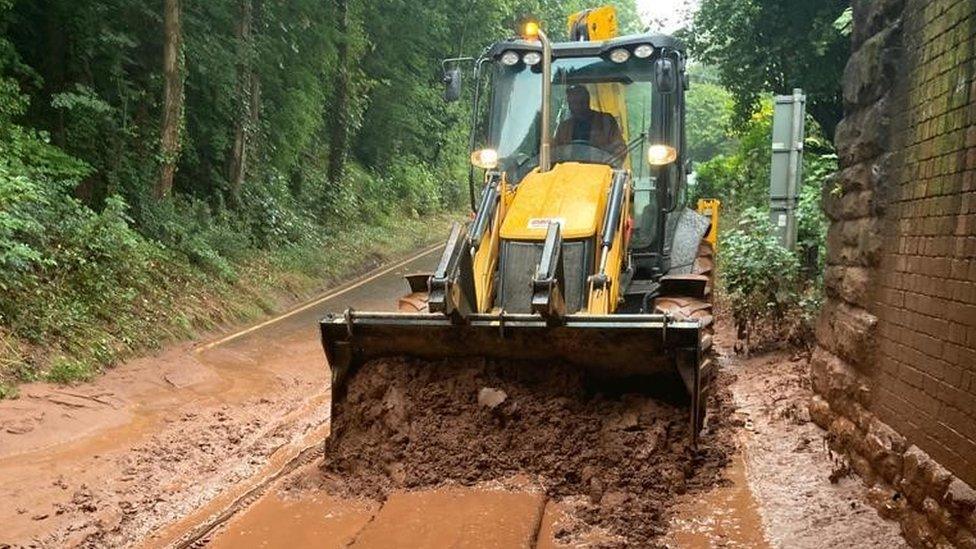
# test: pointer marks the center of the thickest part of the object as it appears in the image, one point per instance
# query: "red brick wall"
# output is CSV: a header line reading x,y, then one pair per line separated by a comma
x,y
926,284
895,366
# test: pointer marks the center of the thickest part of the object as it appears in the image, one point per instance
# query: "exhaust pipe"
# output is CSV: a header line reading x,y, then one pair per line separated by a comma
x,y
534,31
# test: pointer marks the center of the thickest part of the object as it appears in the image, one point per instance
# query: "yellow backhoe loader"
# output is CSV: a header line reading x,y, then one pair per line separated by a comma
x,y
581,252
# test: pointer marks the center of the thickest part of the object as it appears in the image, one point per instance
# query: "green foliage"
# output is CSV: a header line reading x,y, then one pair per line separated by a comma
x,y
741,179
772,293
92,267
766,291
68,370
811,221
710,109
759,274
762,46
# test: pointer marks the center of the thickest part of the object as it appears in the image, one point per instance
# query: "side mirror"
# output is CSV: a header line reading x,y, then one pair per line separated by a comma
x,y
664,75
452,85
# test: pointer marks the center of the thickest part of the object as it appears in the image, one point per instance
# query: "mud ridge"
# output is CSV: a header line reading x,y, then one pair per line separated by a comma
x,y
411,425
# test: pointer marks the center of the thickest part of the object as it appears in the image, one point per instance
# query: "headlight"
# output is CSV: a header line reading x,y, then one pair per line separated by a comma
x,y
644,51
532,58
486,159
661,155
619,55
510,58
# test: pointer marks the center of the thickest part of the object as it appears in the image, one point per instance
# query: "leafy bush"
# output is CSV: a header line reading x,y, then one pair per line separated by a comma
x,y
62,264
759,274
67,370
767,293
772,293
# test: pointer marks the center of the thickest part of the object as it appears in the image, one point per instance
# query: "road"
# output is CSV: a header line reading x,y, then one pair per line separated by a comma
x,y
219,442
158,438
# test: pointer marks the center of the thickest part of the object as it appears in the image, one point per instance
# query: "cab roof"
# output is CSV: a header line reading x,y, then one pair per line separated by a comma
x,y
586,49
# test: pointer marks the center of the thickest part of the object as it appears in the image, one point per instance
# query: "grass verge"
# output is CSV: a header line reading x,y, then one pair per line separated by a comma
x,y
190,301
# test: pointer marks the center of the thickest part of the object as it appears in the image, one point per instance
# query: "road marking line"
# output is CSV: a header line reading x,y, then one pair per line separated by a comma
x,y
331,294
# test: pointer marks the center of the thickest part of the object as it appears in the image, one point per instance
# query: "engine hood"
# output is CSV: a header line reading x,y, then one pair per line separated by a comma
x,y
571,193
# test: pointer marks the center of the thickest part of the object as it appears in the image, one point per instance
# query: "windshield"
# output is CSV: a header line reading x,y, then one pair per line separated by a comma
x,y
601,113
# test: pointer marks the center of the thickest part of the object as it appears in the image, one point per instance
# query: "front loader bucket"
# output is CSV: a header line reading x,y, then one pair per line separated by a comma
x,y
607,347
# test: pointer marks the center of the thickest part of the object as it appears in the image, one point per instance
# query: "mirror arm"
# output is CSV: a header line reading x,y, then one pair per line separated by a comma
x,y
454,60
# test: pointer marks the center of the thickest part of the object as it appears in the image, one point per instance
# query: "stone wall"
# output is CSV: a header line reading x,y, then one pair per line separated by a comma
x,y
896,363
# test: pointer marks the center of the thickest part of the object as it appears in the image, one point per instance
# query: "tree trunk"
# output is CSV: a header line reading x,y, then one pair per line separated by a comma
x,y
172,97
245,93
55,62
339,134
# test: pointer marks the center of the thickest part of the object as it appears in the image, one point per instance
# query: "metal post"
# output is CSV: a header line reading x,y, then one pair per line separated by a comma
x,y
786,172
545,161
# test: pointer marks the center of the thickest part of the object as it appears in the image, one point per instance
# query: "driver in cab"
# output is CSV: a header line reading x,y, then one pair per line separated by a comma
x,y
587,126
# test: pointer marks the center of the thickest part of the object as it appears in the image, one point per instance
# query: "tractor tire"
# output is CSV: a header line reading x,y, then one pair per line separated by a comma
x,y
700,308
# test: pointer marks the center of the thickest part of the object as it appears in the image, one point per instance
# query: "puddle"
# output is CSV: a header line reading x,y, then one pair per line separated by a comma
x,y
318,521
726,516
455,517
472,518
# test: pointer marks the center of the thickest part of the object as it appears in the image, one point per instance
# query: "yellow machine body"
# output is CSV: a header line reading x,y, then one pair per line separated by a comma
x,y
571,194
710,207
574,195
566,209
600,23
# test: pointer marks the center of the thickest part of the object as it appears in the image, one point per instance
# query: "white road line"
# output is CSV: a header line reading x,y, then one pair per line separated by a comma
x,y
331,294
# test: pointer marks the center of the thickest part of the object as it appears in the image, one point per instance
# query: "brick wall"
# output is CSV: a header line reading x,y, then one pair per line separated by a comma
x,y
896,362
926,299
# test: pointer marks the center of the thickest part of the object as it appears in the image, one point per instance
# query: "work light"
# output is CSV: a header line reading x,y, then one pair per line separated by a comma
x,y
510,58
661,155
643,51
532,58
486,159
619,55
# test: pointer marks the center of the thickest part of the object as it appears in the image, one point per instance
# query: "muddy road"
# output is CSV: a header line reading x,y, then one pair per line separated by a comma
x,y
220,444
157,439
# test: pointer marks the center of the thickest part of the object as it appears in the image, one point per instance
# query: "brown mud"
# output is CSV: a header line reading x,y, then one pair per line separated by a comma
x,y
621,458
116,461
807,497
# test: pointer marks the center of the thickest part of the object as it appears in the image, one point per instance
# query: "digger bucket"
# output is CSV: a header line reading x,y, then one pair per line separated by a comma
x,y
663,354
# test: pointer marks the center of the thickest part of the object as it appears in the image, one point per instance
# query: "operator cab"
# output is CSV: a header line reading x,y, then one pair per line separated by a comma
x,y
632,94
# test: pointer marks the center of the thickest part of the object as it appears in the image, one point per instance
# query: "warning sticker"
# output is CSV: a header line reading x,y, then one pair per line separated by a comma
x,y
543,222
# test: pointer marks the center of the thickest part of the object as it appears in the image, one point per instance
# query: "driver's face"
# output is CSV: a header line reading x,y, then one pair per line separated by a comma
x,y
579,103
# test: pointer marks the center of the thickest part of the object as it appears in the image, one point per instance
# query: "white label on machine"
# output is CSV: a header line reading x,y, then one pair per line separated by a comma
x,y
781,220
543,222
